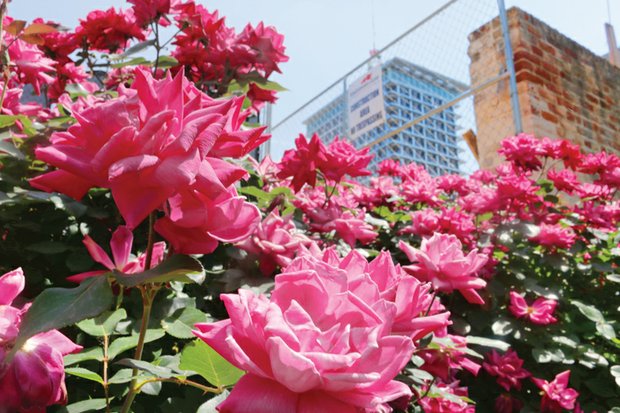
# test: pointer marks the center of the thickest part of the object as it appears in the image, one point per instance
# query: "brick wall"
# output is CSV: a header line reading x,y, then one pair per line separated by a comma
x,y
565,91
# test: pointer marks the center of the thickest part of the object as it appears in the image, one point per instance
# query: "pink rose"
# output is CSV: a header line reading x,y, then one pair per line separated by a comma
x,y
555,236
508,369
275,241
323,341
540,312
341,159
441,261
34,379
438,404
556,394
156,146
302,162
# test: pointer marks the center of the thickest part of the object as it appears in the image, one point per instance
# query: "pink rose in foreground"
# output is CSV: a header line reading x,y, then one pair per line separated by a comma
x,y
556,395
508,369
122,260
35,377
314,345
379,281
441,261
540,312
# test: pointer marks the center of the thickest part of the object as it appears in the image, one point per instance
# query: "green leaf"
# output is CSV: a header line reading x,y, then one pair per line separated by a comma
x,y
181,326
60,122
542,355
614,277
589,311
60,307
131,62
157,371
137,48
93,353
210,405
122,344
487,342
11,149
48,247
84,406
121,376
503,327
606,330
167,61
615,372
199,357
104,324
84,373
7,120
182,268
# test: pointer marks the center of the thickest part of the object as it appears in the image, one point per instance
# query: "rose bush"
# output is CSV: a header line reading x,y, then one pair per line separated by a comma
x,y
309,289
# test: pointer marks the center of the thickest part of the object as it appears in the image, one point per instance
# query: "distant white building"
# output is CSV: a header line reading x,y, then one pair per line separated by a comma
x,y
409,91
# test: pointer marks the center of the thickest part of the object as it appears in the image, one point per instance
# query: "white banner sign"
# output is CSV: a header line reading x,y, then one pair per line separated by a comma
x,y
365,103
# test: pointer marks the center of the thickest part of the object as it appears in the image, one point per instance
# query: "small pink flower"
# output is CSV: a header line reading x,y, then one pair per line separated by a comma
x,y
508,369
35,377
555,236
302,162
523,150
341,159
564,180
122,260
448,359
109,30
540,312
31,66
556,395
276,242
441,261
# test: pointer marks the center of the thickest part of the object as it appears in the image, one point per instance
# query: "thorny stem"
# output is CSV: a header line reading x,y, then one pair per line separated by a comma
x,y
430,306
105,373
180,381
148,293
150,242
158,48
428,389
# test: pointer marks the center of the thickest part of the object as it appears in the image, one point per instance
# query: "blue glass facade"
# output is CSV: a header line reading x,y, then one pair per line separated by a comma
x,y
409,91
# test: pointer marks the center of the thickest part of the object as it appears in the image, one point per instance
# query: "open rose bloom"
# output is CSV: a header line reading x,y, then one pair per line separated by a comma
x,y
159,146
35,377
332,337
441,261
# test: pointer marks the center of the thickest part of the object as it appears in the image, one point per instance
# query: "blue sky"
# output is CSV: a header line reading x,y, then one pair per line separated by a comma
x,y
327,38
